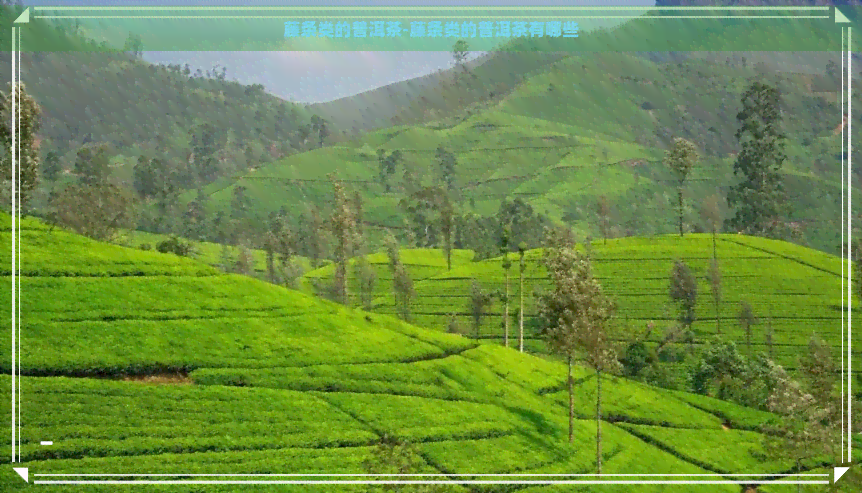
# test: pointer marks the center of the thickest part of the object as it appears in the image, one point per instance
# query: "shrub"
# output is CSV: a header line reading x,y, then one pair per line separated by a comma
x,y
176,246
636,359
145,246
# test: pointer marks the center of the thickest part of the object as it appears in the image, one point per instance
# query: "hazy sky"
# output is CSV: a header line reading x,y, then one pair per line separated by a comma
x,y
323,76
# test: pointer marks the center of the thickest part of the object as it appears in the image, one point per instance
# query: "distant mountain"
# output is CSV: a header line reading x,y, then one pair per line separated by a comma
x,y
138,108
434,95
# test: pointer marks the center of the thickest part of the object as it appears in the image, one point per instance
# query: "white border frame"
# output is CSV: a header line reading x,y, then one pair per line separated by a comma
x,y
16,320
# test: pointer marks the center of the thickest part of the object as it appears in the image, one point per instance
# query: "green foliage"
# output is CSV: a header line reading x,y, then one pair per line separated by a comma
x,y
715,290
98,210
747,320
343,225
134,46
176,246
637,357
683,291
447,163
759,197
52,167
681,159
459,51
388,165
857,271
392,456
728,375
367,278
479,301
29,122
92,164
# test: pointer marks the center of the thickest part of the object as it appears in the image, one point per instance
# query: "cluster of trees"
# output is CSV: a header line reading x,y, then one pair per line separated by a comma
x,y
759,199
317,130
577,316
218,72
578,325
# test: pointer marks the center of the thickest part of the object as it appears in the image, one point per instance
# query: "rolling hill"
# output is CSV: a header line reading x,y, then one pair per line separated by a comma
x,y
587,126
793,289
138,108
420,263
209,373
207,252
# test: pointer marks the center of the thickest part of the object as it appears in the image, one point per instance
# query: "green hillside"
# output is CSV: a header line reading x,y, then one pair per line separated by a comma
x,y
421,263
205,372
794,289
207,252
138,108
586,126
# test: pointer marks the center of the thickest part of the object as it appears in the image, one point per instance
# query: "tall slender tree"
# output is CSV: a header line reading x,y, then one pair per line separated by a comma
x,y
522,248
52,167
447,224
343,225
681,158
683,290
506,264
715,288
710,212
746,319
446,161
479,301
759,197
807,428
577,315
603,210
366,277
402,286
270,244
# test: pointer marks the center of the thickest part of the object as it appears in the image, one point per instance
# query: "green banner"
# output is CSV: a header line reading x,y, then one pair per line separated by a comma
x,y
585,29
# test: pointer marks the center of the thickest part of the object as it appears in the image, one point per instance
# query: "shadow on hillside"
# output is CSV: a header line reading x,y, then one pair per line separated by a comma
x,y
542,425
835,308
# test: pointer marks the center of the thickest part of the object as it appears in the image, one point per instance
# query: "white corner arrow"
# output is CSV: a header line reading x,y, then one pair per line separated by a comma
x,y
22,471
839,471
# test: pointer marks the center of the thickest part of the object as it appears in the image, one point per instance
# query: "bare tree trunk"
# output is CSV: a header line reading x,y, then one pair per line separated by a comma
x,y
715,258
521,310
717,318
680,211
506,311
571,404
714,254
599,420
270,264
343,267
798,470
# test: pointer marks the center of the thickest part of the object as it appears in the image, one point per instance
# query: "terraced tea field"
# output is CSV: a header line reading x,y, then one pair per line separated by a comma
x,y
207,373
207,252
795,289
421,264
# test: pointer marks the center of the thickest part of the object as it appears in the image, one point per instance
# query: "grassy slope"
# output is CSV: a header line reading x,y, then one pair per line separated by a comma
x,y
574,131
319,382
798,288
421,264
207,252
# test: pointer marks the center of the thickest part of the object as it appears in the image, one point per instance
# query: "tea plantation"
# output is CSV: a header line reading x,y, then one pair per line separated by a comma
x,y
794,289
207,252
137,362
420,263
